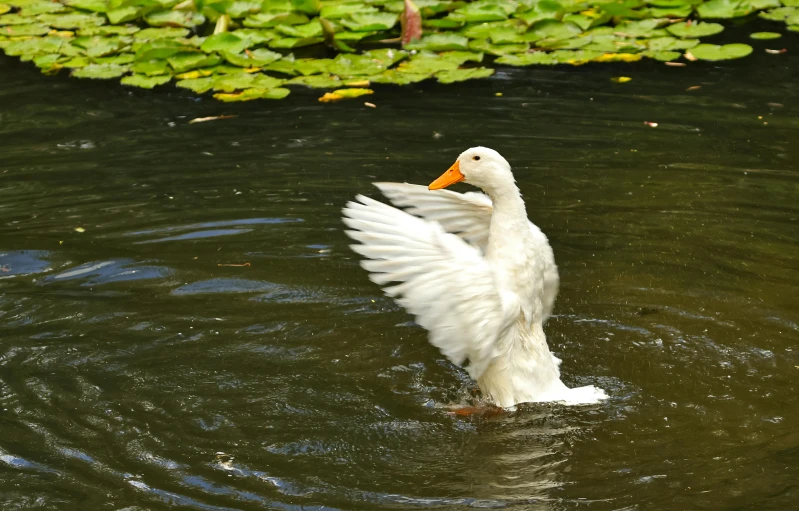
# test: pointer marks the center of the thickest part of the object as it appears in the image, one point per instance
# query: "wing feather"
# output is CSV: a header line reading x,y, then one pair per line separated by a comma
x,y
440,279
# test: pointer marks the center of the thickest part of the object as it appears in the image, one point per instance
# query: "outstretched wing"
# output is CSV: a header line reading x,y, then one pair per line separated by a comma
x,y
469,216
443,281
465,214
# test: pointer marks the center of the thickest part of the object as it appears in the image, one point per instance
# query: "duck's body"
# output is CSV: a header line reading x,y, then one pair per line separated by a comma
x,y
476,273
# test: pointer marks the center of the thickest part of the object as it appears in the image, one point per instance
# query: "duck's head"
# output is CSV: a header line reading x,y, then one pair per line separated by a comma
x,y
479,166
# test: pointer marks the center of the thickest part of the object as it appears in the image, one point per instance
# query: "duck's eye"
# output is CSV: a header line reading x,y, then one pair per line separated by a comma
x,y
476,158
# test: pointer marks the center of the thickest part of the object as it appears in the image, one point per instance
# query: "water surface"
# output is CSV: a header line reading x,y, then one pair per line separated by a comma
x,y
208,341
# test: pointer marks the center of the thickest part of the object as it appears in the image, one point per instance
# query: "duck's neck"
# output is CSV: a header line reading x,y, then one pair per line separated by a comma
x,y
509,229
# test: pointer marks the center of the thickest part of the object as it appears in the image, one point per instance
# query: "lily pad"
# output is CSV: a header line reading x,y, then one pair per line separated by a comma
x,y
160,49
273,19
34,8
198,85
186,19
724,9
765,36
230,83
226,42
36,46
779,14
338,95
479,11
671,44
71,21
695,29
100,71
151,34
440,42
259,57
152,68
311,29
484,45
721,52
663,56
341,10
88,5
97,46
325,81
23,30
253,93
106,30
144,81
370,22
460,75
186,61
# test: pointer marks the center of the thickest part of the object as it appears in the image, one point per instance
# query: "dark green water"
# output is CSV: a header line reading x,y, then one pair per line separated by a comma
x,y
137,373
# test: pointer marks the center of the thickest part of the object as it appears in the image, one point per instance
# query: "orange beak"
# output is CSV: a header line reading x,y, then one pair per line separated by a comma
x,y
450,177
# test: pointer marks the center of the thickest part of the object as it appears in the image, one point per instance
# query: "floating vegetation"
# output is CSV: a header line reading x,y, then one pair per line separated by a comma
x,y
241,50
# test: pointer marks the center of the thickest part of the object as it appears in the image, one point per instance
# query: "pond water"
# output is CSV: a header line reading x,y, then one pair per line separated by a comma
x,y
184,326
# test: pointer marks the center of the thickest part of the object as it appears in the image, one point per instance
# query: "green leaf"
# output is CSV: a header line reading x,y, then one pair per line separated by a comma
x,y
663,56
145,82
399,78
186,19
643,28
723,52
427,63
46,61
306,6
724,9
552,29
151,34
226,42
460,75
483,45
544,9
15,19
294,42
338,95
97,46
36,46
477,12
671,43
765,36
108,30
311,29
370,22
182,62
256,36
198,85
682,11
273,19
229,83
152,68
317,81
123,14
160,49
341,10
71,21
4,8
240,9
88,5
35,8
76,62
121,59
779,14
23,30
694,29
255,58
100,71
440,42
253,93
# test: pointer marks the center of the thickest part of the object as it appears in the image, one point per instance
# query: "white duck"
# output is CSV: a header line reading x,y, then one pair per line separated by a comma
x,y
475,272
